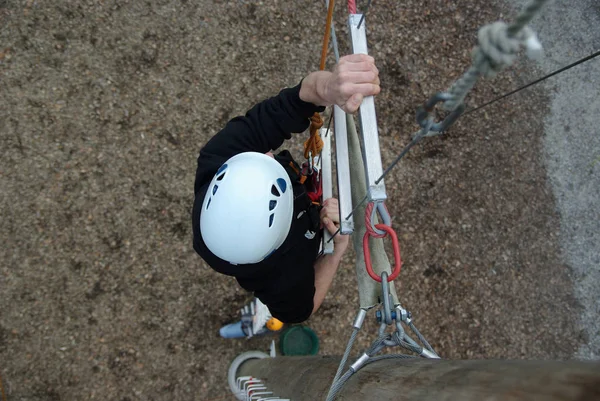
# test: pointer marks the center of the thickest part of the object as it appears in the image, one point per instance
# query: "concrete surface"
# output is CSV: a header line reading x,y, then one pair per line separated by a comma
x,y
570,30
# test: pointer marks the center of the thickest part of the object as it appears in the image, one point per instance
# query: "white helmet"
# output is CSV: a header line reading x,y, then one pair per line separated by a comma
x,y
247,210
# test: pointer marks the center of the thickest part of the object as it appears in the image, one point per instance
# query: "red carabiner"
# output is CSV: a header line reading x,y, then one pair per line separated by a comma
x,y
397,257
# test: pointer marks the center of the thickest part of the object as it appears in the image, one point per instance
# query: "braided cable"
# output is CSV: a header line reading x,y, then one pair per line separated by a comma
x,y
337,386
421,338
343,361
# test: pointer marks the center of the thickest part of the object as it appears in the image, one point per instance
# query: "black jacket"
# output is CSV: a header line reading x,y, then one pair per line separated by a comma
x,y
285,280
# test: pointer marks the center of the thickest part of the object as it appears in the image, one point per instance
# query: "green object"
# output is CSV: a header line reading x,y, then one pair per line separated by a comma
x,y
298,340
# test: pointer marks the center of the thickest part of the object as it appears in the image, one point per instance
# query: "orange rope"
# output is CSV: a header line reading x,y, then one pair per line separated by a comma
x,y
327,34
314,144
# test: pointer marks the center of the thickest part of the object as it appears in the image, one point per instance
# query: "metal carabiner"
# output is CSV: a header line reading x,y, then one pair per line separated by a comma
x,y
385,217
424,114
386,299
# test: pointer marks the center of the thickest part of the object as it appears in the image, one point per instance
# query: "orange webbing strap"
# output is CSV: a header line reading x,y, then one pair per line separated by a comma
x,y
314,144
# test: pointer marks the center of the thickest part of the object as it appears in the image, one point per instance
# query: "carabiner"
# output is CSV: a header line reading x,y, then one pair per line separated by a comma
x,y
424,114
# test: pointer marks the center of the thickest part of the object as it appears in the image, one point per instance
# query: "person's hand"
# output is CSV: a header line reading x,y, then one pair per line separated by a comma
x,y
354,77
330,219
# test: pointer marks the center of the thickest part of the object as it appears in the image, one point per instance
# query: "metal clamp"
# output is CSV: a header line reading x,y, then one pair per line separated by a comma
x,y
425,120
386,298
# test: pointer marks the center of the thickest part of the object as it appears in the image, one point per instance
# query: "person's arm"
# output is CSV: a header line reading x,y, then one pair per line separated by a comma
x,y
270,122
264,127
326,266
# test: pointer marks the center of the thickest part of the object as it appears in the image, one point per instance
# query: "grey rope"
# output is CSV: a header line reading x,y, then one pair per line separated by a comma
x,y
525,16
343,362
421,338
399,337
337,386
389,356
376,347
498,46
553,73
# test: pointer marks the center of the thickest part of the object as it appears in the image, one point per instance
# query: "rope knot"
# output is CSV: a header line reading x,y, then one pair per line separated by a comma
x,y
316,122
498,50
314,144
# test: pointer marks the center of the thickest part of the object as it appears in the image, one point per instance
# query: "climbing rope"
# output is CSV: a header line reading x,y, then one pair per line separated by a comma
x,y
327,34
534,82
498,46
314,144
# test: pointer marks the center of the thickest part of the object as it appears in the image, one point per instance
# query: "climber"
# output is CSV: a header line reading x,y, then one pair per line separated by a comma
x,y
252,217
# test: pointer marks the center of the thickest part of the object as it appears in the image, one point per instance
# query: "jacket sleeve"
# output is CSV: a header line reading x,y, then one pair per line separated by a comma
x,y
263,128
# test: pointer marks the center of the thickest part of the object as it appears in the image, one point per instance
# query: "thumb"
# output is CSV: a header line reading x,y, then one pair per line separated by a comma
x,y
354,103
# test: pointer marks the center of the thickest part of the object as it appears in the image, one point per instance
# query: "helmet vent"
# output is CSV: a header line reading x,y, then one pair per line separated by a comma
x,y
208,203
272,204
271,217
221,173
282,184
214,191
274,190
